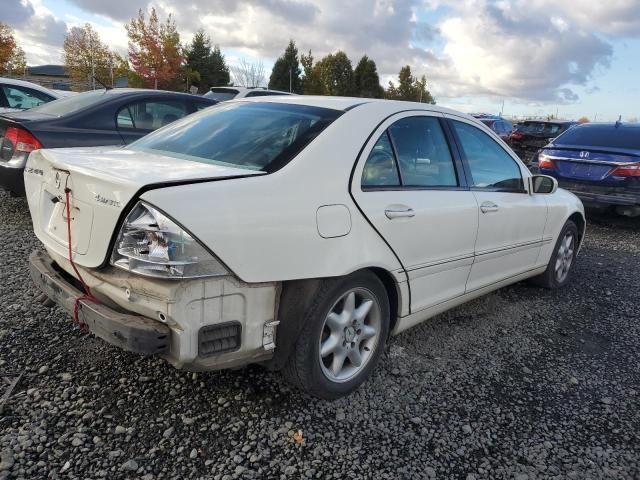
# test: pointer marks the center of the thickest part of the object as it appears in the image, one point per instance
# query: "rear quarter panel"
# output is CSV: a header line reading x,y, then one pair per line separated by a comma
x,y
264,228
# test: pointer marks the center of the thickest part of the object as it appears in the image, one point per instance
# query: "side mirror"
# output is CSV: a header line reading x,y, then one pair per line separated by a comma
x,y
543,184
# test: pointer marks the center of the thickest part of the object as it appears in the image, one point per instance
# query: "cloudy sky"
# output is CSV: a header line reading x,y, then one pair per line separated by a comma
x,y
576,57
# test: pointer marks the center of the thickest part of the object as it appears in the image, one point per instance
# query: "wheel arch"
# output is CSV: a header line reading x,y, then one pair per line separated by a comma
x,y
581,223
297,297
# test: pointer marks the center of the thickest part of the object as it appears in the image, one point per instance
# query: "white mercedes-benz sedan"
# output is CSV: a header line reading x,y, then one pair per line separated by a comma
x,y
295,232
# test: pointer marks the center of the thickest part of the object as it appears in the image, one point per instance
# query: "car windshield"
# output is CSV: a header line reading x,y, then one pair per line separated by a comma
x,y
70,104
250,135
541,128
625,137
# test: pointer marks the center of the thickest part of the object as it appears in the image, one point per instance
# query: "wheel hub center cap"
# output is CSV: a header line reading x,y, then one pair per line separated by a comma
x,y
349,334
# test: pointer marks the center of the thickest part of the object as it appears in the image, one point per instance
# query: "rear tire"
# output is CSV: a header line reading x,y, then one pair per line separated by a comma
x,y
343,336
561,263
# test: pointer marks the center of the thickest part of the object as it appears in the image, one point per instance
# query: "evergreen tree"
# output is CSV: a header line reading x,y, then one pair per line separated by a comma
x,y
286,71
219,69
205,66
366,80
409,88
197,59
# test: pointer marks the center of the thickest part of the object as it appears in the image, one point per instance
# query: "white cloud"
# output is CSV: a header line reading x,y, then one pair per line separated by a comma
x,y
531,50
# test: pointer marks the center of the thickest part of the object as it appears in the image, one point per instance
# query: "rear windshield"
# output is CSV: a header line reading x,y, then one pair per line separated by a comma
x,y
602,136
542,128
221,94
73,103
250,135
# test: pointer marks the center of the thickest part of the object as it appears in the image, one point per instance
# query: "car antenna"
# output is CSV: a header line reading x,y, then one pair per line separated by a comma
x,y
98,80
619,121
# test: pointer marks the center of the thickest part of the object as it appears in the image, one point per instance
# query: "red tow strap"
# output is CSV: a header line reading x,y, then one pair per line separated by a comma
x,y
87,291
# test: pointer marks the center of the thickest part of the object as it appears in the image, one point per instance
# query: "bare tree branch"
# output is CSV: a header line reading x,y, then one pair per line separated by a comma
x,y
248,75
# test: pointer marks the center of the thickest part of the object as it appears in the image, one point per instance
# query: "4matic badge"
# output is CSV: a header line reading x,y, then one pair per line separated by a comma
x,y
106,201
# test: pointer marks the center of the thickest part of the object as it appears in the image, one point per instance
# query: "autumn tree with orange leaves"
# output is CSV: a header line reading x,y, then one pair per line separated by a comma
x,y
155,54
11,55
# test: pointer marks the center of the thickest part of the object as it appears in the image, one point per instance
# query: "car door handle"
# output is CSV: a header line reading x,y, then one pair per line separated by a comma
x,y
487,207
392,213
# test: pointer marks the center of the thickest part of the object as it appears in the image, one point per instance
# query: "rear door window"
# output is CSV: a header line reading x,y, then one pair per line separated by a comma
x,y
423,153
150,114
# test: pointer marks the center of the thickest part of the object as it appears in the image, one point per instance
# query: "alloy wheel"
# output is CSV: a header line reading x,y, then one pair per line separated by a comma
x,y
350,334
564,258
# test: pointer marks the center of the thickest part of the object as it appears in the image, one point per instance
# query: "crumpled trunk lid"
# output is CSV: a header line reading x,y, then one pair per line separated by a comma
x,y
101,183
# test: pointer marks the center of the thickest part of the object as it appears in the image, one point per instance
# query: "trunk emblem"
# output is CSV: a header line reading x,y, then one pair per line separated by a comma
x,y
584,154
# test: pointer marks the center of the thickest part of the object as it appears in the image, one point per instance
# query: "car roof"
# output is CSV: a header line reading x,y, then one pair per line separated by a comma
x,y
608,124
34,86
558,122
245,89
349,103
145,91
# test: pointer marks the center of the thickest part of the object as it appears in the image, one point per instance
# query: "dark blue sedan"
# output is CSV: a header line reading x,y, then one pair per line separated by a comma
x,y
95,118
599,162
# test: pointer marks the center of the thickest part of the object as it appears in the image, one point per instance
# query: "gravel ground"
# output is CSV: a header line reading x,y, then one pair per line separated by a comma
x,y
521,384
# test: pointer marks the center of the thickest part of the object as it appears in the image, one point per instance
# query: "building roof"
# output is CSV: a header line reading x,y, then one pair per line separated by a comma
x,y
48,70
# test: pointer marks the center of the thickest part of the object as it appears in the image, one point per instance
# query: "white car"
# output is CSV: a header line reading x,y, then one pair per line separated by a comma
x,y
18,95
223,94
295,232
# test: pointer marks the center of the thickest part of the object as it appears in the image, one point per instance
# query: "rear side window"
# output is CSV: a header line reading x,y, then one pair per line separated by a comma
x,y
413,152
150,115
627,137
380,169
490,165
24,98
68,105
251,135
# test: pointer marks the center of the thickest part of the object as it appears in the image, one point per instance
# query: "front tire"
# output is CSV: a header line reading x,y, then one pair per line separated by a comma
x,y
559,268
343,336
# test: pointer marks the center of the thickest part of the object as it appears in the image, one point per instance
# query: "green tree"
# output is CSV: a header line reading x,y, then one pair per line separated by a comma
x,y
285,75
336,74
205,67
409,88
219,73
311,82
366,80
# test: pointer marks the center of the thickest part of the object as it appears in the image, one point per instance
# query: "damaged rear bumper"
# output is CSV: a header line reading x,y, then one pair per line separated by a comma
x,y
194,324
133,333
